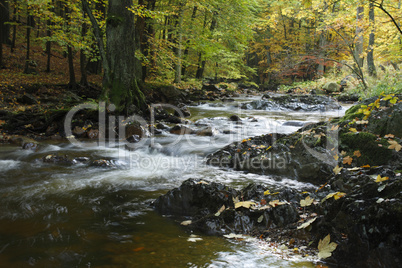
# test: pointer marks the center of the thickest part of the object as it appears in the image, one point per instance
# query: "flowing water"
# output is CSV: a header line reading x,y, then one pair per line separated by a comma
x,y
55,215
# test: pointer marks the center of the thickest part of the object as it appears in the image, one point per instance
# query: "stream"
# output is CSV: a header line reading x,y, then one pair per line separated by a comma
x,y
56,215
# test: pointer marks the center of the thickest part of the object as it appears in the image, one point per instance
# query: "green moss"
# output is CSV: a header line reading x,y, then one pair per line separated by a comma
x,y
368,145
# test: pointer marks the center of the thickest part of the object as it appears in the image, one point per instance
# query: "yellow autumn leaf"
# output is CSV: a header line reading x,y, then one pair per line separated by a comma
x,y
357,154
336,157
334,128
245,204
275,203
306,224
337,170
267,192
394,145
306,202
339,195
325,248
381,179
389,136
352,130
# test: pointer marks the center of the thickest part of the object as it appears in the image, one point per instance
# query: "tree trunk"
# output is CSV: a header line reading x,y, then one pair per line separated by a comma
x,y
83,58
186,51
72,83
370,53
122,89
321,44
48,47
14,27
179,45
4,17
146,45
359,36
30,24
202,63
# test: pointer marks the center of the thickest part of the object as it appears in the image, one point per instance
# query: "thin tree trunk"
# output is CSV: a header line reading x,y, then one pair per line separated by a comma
x,y
370,53
48,47
186,51
14,27
180,40
4,17
321,44
83,58
201,67
359,36
149,35
30,24
72,83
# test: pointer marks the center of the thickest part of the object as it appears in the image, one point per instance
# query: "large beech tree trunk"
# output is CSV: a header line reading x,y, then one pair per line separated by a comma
x,y
122,83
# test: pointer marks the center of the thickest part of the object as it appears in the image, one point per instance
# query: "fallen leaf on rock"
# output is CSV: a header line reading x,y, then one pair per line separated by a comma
x,y
260,219
306,224
336,157
267,192
381,179
389,136
347,160
275,203
337,170
336,196
245,204
220,211
394,145
325,248
307,201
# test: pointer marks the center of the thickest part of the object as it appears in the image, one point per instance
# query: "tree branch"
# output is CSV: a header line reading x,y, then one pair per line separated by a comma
x,y
380,6
98,37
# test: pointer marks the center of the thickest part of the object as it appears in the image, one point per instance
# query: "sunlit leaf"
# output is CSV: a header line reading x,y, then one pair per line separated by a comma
x,y
275,203
325,248
306,202
306,224
394,145
381,179
220,211
267,192
337,170
244,204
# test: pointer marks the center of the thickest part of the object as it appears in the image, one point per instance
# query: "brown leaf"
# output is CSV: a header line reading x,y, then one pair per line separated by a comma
x,y
357,154
347,160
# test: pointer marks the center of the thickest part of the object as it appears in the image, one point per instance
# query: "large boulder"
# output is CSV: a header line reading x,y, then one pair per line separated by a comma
x,y
216,209
331,87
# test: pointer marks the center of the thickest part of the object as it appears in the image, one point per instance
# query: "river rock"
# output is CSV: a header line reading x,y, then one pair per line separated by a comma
x,y
183,111
235,118
294,103
331,87
208,131
181,130
211,208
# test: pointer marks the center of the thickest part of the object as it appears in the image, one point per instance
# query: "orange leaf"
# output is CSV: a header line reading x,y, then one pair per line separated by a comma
x,y
138,249
347,160
357,154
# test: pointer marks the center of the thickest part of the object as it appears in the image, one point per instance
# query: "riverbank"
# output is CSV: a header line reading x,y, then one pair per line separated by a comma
x,y
354,163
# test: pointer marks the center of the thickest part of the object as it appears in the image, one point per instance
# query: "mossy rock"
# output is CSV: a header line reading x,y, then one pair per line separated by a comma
x,y
368,145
